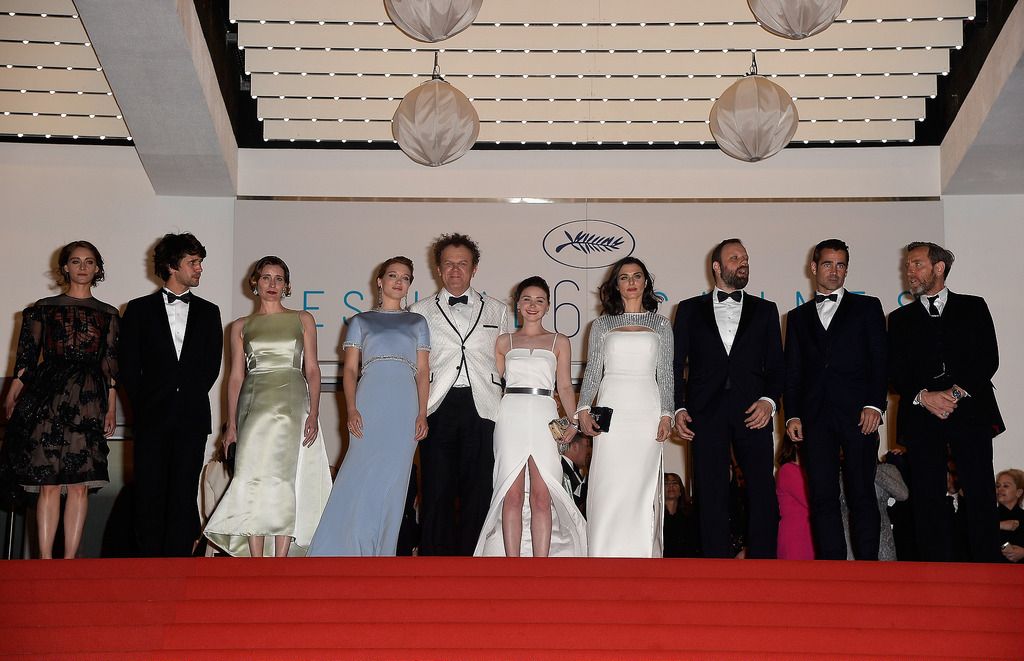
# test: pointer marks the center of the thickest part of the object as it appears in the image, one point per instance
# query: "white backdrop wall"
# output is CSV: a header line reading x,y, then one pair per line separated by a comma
x,y
334,247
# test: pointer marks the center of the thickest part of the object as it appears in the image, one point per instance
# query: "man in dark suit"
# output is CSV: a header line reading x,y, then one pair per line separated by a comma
x,y
575,461
836,388
170,351
731,346
942,357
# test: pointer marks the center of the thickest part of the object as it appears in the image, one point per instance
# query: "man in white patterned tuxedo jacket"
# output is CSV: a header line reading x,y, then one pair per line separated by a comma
x,y
457,456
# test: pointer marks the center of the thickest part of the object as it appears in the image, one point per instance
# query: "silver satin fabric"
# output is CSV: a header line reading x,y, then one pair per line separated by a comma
x,y
279,487
754,119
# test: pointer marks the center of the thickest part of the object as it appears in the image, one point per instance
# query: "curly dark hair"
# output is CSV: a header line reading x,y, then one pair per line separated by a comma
x,y
270,260
397,259
455,239
171,249
611,299
65,255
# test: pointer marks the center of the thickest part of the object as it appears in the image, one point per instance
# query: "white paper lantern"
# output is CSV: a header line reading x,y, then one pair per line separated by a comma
x,y
753,119
796,19
432,20
435,124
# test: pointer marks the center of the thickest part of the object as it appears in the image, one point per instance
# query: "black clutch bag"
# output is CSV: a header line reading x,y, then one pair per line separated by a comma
x,y
602,416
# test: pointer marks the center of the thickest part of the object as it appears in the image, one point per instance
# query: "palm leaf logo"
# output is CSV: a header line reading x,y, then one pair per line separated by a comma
x,y
587,242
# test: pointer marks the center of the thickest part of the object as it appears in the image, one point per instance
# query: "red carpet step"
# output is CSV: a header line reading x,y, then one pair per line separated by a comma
x,y
463,608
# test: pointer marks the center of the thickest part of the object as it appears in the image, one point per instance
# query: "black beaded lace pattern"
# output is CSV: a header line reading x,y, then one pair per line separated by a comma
x,y
595,355
67,360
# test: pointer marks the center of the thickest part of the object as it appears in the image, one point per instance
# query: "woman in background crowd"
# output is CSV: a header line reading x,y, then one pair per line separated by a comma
x,y
387,351
680,524
281,479
629,370
1009,494
889,486
62,408
795,542
530,512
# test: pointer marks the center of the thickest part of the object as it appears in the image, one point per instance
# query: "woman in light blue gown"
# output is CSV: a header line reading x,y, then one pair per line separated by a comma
x,y
387,352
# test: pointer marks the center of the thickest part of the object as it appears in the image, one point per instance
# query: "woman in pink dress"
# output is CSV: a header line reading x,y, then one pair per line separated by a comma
x,y
795,542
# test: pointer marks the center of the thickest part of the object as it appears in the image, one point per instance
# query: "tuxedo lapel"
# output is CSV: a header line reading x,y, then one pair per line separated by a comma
x,y
812,323
444,315
746,314
707,310
190,327
163,325
842,312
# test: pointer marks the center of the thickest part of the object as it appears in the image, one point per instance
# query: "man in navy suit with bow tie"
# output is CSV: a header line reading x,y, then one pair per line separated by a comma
x,y
730,347
836,388
170,352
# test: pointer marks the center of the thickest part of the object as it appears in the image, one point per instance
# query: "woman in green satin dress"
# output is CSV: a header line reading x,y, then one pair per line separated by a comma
x,y
282,480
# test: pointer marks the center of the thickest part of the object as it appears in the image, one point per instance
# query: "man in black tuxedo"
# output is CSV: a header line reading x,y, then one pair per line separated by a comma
x,y
942,357
836,389
731,346
575,461
170,351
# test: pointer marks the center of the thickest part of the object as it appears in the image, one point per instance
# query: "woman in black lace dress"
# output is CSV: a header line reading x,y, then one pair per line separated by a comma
x,y
62,403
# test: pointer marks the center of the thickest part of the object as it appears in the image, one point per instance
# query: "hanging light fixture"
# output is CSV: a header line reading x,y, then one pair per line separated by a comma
x,y
435,123
754,118
796,19
432,20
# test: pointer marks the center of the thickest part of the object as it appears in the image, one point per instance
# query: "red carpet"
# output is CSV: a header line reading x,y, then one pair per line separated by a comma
x,y
454,608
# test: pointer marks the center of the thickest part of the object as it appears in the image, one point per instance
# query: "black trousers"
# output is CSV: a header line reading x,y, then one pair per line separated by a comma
x,y
167,464
971,449
823,440
456,462
719,428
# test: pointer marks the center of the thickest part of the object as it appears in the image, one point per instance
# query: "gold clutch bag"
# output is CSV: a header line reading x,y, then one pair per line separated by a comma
x,y
558,427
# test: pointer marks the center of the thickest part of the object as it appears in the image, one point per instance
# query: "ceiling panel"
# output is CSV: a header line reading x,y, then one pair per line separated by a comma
x,y
577,11
51,83
594,71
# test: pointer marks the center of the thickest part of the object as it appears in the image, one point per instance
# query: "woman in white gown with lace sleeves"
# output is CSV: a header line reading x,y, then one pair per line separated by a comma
x,y
629,369
531,514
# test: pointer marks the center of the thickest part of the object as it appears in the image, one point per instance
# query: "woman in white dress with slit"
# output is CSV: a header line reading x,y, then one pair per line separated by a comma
x,y
629,369
531,514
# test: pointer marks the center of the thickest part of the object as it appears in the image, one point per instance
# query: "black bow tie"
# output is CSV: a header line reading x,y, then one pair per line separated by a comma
x,y
821,298
736,296
185,298
455,300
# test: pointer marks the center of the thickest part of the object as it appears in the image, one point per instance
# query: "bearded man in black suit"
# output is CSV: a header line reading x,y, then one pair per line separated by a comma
x,y
170,351
942,357
836,389
730,345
